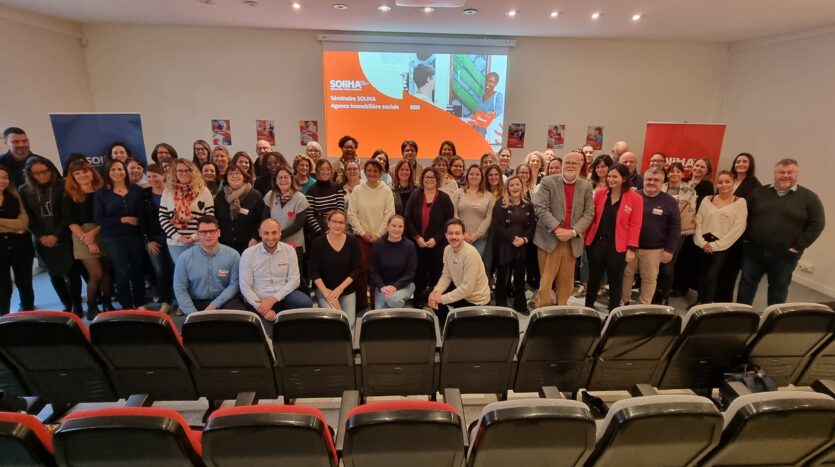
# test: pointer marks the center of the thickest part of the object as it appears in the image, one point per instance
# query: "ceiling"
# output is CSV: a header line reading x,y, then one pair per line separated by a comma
x,y
699,20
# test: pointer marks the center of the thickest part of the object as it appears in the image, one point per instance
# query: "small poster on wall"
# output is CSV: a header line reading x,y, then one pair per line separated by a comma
x,y
308,131
516,135
221,132
265,130
556,136
594,136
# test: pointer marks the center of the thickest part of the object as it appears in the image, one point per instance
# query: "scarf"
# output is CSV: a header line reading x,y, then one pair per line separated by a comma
x,y
183,196
233,197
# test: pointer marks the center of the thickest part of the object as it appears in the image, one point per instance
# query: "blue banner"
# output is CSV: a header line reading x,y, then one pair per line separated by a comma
x,y
92,135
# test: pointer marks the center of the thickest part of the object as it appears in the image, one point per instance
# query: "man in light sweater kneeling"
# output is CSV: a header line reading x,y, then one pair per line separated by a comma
x,y
463,281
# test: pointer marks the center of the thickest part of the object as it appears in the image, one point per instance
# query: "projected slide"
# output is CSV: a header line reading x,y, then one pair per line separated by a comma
x,y
382,98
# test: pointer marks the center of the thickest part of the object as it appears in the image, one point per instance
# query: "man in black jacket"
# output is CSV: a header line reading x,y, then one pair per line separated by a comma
x,y
19,152
783,220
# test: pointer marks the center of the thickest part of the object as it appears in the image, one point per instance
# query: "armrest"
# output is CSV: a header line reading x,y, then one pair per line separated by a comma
x,y
550,392
139,400
734,389
824,386
245,398
438,335
350,399
452,396
639,390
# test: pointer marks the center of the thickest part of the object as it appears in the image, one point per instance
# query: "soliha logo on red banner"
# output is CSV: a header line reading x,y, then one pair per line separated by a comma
x,y
347,85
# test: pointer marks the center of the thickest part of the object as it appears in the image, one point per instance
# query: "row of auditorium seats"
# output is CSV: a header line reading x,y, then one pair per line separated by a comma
x,y
774,428
52,355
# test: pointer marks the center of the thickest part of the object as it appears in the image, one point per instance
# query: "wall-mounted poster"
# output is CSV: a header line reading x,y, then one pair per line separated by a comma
x,y
265,130
556,136
594,136
516,135
308,131
221,132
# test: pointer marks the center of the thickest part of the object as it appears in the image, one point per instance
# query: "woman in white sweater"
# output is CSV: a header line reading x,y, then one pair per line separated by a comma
x,y
720,221
370,207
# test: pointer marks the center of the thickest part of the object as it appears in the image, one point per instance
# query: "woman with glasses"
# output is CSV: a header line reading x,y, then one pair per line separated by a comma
x,y
335,264
117,207
427,211
184,200
200,153
288,206
81,185
302,165
239,209
348,145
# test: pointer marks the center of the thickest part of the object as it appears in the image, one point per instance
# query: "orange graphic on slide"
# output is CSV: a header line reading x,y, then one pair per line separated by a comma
x,y
355,107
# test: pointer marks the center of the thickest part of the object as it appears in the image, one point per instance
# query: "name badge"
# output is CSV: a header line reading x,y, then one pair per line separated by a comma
x,y
244,211
627,209
282,264
223,272
658,211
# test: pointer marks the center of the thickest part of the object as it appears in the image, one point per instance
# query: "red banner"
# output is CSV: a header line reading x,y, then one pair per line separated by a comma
x,y
684,142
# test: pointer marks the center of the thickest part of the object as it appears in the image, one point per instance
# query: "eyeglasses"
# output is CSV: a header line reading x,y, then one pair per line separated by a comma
x,y
206,232
183,171
336,222
564,163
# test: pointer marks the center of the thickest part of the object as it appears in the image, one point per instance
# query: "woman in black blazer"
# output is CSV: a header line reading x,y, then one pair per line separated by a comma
x,y
428,234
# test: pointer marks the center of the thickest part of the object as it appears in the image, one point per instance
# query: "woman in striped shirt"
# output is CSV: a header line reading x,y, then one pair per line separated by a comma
x,y
323,196
184,200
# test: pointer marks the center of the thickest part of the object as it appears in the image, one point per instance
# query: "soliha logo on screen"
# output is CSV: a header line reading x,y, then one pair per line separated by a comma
x,y
347,84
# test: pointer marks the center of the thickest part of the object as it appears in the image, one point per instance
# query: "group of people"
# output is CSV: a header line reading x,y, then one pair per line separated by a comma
x,y
267,234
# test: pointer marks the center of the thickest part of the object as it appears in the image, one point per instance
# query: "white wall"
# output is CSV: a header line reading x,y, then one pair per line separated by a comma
x,y
617,83
43,71
180,77
779,101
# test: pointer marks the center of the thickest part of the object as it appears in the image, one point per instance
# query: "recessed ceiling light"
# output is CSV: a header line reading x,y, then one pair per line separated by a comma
x,y
470,11
296,5
428,9
384,8
512,13
595,15
207,2
340,6
637,16
554,14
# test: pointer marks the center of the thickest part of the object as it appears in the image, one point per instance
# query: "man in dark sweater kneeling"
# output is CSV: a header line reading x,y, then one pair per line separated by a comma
x,y
783,220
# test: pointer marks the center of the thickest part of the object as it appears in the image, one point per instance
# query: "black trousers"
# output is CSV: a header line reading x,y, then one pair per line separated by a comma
x,y
430,263
729,274
710,265
16,254
604,259
517,267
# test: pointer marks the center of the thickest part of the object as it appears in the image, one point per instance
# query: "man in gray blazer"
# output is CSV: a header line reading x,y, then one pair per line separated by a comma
x,y
564,206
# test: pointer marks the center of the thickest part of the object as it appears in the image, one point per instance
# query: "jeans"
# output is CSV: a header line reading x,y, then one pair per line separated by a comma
x,y
163,270
176,250
778,265
126,256
709,270
292,301
348,303
517,268
666,275
397,300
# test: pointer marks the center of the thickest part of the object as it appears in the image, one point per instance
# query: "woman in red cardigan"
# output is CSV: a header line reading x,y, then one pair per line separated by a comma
x,y
612,238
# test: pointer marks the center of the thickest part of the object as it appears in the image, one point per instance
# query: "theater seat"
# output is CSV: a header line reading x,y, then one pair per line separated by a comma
x,y
405,433
662,430
712,341
52,352
532,433
144,354
634,344
775,428
127,436
397,349
789,336
478,348
557,348
820,366
231,354
313,353
268,435
10,381
24,441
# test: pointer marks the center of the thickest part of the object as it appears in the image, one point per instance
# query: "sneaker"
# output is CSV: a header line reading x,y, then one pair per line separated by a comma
x,y
581,291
